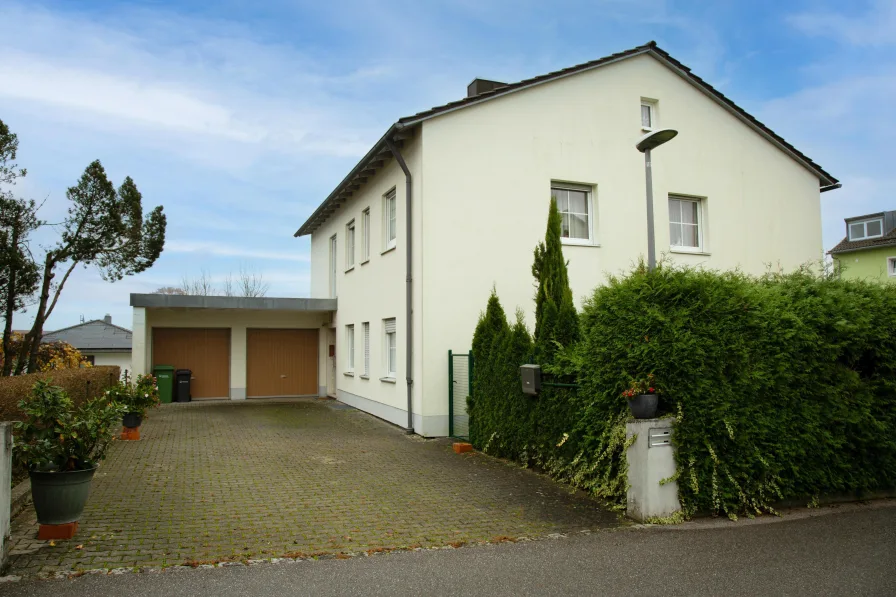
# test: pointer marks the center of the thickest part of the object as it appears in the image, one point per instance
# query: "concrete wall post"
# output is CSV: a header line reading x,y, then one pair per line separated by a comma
x,y
5,490
650,460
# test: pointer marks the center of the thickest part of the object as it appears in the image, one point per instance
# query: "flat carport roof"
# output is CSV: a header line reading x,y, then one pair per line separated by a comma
x,y
179,301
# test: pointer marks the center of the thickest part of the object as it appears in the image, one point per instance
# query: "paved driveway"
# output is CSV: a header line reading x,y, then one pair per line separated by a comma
x,y
219,481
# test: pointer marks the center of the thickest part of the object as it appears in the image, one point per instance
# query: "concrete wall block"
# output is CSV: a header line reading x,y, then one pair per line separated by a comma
x,y
647,466
5,490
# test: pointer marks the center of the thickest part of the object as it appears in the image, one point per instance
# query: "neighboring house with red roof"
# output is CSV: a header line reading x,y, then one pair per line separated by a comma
x,y
100,341
868,251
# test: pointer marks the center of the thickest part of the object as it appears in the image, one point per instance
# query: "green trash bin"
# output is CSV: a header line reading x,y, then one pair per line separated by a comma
x,y
165,379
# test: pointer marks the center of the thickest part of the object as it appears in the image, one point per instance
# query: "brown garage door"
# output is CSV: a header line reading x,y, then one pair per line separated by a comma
x,y
281,362
206,351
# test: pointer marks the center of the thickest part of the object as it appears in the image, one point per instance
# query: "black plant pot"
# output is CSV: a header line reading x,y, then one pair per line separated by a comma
x,y
60,497
643,406
131,420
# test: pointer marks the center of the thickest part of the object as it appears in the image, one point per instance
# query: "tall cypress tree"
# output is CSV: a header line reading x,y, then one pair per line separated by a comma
x,y
556,320
489,342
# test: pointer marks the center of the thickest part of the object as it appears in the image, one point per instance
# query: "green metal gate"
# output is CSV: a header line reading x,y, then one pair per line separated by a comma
x,y
460,385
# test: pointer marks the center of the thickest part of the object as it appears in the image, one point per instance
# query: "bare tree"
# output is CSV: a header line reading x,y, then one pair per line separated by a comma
x,y
169,290
201,285
229,288
248,283
251,283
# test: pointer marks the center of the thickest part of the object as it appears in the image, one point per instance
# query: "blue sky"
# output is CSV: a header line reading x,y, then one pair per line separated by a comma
x,y
239,117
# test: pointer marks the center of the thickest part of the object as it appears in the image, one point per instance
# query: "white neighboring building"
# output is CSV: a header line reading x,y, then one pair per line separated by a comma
x,y
413,254
100,342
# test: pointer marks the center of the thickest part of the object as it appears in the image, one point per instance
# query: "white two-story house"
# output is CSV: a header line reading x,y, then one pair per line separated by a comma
x,y
450,203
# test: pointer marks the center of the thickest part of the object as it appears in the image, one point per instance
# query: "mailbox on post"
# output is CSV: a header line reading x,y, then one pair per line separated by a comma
x,y
531,378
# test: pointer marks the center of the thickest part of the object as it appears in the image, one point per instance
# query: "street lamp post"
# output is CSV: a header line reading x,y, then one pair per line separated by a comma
x,y
645,145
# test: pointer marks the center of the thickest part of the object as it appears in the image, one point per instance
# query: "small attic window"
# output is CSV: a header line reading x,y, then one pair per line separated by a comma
x,y
864,229
648,115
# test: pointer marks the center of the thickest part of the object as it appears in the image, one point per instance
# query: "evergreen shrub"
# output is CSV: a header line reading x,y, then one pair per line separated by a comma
x,y
782,387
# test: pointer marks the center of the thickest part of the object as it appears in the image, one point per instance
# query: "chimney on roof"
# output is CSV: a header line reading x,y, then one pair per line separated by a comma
x,y
108,319
481,86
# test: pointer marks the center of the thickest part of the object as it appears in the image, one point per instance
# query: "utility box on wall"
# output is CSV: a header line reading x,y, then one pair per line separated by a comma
x,y
530,375
651,458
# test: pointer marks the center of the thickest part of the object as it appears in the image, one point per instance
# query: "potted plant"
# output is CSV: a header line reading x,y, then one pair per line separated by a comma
x,y
61,446
137,397
642,396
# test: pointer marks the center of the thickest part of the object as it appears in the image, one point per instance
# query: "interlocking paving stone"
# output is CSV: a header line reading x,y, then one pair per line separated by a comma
x,y
216,481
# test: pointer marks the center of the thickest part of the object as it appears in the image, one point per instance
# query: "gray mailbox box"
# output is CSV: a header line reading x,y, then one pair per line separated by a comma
x,y
531,377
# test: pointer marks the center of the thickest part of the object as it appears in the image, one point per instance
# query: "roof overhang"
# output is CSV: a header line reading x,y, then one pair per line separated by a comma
x,y
177,301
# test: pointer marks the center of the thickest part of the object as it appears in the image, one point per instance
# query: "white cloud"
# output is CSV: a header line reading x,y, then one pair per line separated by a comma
x,y
877,27
207,88
220,249
152,103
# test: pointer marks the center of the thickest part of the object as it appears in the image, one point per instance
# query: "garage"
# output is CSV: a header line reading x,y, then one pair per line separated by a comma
x,y
281,362
205,351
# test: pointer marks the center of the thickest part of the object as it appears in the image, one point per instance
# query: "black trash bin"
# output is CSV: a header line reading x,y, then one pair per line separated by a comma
x,y
182,385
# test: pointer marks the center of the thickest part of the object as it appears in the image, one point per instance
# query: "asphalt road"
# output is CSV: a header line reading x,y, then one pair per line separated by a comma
x,y
849,552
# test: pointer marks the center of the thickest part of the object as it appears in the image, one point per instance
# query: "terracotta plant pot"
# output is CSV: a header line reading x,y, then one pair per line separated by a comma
x,y
643,406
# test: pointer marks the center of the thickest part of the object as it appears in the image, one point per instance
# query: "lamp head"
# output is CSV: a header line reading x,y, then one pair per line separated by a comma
x,y
655,139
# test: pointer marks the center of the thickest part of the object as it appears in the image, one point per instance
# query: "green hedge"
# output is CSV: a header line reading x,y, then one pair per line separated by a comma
x,y
80,384
783,387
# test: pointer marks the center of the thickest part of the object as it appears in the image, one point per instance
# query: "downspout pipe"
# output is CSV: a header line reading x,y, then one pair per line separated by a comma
x,y
409,279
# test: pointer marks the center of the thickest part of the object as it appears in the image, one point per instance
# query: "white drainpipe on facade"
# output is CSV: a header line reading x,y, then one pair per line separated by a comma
x,y
409,313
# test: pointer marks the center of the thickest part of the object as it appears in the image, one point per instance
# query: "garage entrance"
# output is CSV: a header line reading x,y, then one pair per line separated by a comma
x,y
205,351
281,362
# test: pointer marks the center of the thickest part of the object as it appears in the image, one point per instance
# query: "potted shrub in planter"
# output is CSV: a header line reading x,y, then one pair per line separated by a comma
x,y
137,397
61,447
642,396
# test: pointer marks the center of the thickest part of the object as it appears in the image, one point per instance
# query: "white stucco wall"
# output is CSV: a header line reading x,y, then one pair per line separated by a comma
x,y
489,168
238,321
374,291
119,359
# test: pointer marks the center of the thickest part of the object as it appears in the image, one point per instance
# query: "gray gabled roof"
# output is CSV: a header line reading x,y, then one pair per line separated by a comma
x,y
93,335
403,128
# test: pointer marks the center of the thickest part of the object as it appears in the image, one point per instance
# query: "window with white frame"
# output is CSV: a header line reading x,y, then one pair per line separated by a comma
x,y
350,348
350,245
576,211
366,328
871,228
648,115
685,223
333,266
390,220
390,348
891,266
365,235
